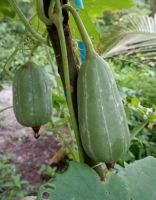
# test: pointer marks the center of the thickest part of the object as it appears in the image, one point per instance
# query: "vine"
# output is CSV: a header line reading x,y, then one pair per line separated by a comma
x,y
4,109
85,37
8,63
56,17
40,12
26,23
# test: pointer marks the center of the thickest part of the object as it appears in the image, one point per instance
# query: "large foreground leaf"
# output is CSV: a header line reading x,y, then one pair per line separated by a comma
x,y
136,182
79,182
141,179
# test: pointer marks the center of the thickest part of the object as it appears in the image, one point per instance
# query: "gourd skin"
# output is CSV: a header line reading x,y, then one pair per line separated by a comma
x,y
32,101
102,121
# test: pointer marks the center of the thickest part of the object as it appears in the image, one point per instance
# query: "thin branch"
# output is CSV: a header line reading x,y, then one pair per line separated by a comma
x,y
10,59
9,107
30,29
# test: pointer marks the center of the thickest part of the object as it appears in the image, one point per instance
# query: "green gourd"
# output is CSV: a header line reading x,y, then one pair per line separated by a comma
x,y
102,121
32,101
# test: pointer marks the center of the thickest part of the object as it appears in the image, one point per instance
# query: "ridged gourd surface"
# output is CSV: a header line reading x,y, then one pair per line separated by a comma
x,y
32,100
102,120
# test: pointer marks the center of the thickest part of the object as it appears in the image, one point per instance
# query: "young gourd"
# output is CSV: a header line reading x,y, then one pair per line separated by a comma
x,y
102,121
32,101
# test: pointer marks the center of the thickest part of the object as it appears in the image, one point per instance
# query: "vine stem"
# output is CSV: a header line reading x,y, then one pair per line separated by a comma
x,y
9,61
2,110
57,19
41,14
68,88
26,23
85,37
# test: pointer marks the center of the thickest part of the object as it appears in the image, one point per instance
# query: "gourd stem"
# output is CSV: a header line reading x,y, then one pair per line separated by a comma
x,y
26,23
85,37
51,7
10,59
41,14
57,20
68,88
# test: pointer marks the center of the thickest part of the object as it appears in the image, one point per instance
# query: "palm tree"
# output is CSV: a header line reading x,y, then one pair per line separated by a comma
x,y
135,34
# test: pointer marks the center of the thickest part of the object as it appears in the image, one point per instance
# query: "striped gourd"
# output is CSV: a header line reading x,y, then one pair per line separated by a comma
x,y
102,121
32,101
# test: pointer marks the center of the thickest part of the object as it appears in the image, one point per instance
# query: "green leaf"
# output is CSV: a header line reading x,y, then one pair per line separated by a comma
x,y
115,188
138,128
136,182
93,9
96,7
90,26
5,9
79,182
36,22
141,179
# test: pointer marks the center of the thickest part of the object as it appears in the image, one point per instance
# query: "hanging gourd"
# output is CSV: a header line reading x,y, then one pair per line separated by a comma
x,y
102,121
32,101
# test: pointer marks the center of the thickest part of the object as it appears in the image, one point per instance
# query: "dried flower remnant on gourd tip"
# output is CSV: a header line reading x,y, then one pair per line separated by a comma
x,y
36,132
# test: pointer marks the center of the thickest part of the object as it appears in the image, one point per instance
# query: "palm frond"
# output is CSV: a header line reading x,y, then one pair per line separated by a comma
x,y
134,34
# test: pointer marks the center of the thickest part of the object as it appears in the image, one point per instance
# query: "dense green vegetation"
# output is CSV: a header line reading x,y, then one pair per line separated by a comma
x,y
11,183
